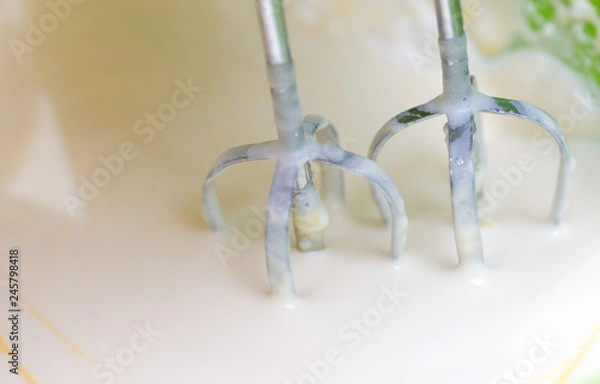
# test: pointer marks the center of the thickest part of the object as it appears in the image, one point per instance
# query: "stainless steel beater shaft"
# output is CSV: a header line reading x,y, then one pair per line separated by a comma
x,y
296,145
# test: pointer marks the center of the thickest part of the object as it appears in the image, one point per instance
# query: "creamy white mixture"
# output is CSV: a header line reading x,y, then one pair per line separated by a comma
x,y
139,260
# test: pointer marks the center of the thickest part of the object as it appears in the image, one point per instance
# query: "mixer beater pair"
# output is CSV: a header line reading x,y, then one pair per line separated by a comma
x,y
301,140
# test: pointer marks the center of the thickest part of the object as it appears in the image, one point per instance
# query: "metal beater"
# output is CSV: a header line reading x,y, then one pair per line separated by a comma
x,y
460,102
292,187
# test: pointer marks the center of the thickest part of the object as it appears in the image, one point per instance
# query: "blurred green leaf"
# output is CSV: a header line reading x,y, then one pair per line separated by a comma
x,y
568,30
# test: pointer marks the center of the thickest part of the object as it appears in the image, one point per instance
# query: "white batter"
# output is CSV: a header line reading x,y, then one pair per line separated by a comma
x,y
135,289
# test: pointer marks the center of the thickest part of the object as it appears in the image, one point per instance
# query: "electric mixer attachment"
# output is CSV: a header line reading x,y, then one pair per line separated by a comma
x,y
460,102
296,145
